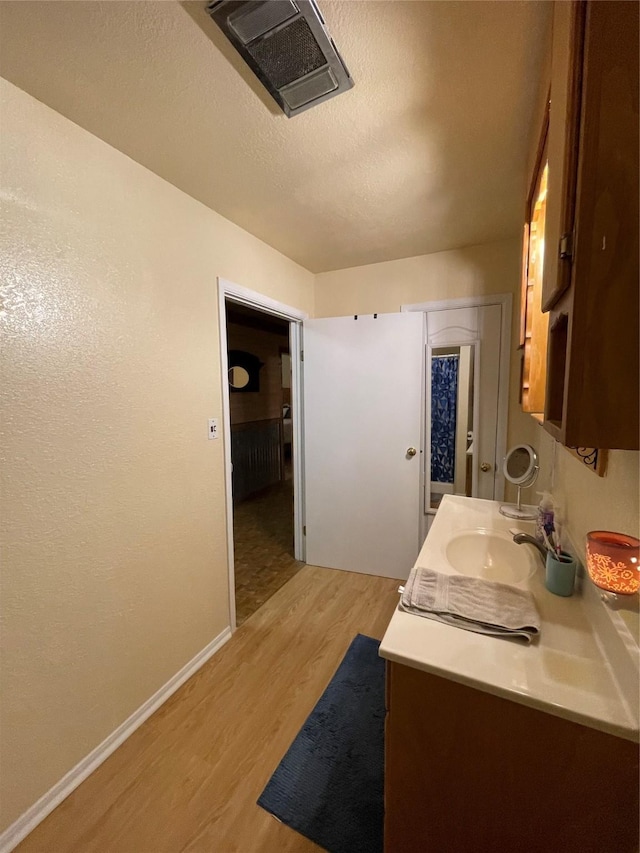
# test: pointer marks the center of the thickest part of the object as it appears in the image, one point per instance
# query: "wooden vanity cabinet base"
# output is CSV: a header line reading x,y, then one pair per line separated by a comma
x,y
468,771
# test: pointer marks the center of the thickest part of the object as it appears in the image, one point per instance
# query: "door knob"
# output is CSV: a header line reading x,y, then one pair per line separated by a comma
x,y
485,467
411,451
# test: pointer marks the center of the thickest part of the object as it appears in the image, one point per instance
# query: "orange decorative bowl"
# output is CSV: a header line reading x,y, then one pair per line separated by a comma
x,y
613,561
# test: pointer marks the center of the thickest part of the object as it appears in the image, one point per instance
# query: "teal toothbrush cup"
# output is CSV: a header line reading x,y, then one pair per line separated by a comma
x,y
560,574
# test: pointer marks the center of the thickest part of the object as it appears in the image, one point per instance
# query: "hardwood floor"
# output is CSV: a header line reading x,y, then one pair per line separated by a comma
x,y
188,779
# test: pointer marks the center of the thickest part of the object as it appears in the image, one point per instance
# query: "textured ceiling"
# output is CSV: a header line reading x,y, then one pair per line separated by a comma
x,y
426,153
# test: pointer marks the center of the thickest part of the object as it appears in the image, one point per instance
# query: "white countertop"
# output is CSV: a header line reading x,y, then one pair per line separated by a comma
x,y
577,668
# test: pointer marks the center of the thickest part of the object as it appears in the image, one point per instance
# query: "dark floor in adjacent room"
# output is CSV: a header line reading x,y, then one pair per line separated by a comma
x,y
263,547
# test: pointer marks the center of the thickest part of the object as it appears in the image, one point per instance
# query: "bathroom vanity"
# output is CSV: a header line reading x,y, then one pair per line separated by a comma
x,y
495,745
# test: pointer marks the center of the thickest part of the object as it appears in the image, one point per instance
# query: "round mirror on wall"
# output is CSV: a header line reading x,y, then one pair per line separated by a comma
x,y
244,371
521,468
238,377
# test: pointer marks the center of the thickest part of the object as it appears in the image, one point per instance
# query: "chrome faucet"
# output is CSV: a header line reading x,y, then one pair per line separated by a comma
x,y
525,538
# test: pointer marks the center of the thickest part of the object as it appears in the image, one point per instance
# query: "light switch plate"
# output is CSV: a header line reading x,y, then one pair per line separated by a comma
x,y
213,428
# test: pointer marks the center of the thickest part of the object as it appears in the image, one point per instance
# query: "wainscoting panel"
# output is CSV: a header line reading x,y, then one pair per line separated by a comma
x,y
256,454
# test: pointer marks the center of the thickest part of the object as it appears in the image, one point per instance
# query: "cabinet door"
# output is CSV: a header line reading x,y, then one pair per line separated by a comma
x,y
535,324
564,125
602,404
468,772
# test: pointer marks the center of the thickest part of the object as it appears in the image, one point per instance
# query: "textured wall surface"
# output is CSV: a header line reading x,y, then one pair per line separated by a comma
x,y
588,502
474,271
425,153
114,559
114,547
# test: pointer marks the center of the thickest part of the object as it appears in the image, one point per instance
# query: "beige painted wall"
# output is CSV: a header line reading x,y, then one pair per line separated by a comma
x,y
473,271
114,564
587,501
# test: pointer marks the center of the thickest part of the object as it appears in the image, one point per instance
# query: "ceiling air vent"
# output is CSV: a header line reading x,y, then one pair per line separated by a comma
x,y
287,46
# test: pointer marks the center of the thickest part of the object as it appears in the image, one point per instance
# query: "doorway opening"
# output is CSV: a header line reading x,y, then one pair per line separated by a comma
x,y
466,398
451,422
260,343
261,455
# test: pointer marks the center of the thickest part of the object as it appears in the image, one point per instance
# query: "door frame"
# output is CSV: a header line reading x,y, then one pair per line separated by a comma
x,y
227,290
505,300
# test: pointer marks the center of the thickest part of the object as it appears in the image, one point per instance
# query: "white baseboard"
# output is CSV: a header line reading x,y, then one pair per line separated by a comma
x,y
18,830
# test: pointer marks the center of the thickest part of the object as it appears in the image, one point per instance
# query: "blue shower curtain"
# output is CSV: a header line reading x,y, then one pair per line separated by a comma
x,y
444,393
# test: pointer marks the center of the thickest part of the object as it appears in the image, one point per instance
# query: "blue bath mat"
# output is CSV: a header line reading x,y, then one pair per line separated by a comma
x,y
330,784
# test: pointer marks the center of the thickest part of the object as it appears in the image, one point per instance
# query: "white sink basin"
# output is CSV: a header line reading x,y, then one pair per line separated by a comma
x,y
490,555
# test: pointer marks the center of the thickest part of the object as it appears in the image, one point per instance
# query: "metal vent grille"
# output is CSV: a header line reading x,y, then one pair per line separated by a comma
x,y
287,46
288,53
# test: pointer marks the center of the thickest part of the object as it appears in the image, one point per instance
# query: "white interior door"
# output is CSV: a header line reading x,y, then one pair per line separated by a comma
x,y
363,381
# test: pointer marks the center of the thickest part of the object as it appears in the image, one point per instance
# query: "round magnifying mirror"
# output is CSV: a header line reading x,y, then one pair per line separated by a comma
x,y
520,465
521,468
238,377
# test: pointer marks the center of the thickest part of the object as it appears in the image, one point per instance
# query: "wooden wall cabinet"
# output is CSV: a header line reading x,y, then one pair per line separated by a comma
x,y
534,325
562,144
592,292
468,772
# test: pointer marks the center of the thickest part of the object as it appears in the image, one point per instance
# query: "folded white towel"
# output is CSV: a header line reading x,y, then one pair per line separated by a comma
x,y
474,604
